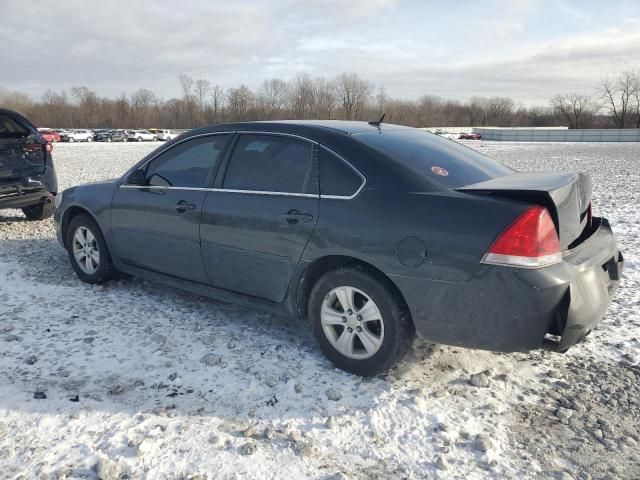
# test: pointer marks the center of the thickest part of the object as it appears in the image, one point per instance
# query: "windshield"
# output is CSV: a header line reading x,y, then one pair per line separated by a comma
x,y
436,159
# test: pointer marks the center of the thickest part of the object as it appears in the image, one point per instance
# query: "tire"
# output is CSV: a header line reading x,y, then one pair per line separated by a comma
x,y
393,333
41,211
155,139
139,139
71,140
109,139
104,269
89,139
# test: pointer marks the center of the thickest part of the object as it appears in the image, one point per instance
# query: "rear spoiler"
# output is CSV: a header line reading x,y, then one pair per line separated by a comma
x,y
566,195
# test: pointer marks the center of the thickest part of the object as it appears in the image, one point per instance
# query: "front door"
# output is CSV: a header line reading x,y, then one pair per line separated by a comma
x,y
256,224
157,226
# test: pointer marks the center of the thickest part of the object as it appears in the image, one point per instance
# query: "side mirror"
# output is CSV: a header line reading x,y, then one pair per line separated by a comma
x,y
137,177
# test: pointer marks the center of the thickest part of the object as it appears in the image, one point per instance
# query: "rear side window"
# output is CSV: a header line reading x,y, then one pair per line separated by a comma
x,y
271,163
336,177
187,164
433,158
11,127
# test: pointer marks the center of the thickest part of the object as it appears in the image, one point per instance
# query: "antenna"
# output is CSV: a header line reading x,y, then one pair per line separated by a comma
x,y
376,123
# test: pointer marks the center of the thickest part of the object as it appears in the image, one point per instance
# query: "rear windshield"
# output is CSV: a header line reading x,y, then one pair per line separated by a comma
x,y
436,159
11,128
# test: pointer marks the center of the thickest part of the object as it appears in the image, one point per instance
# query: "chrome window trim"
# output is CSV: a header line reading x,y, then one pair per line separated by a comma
x,y
256,192
227,190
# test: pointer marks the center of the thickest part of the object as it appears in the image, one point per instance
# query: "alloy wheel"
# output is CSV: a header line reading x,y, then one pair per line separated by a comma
x,y
86,250
352,322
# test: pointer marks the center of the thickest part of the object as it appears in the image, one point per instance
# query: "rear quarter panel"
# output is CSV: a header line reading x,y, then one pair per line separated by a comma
x,y
456,230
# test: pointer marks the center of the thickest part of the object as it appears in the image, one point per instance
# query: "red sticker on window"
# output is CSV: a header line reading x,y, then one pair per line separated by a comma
x,y
439,171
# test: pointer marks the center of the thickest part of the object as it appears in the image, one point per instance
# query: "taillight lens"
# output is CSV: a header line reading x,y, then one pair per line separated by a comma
x,y
531,241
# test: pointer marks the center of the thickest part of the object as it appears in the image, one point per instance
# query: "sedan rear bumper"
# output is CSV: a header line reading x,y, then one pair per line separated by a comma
x,y
510,309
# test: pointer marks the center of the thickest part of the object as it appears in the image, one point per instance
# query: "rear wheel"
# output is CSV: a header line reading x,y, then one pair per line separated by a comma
x,y
89,139
358,320
71,140
139,139
88,250
41,211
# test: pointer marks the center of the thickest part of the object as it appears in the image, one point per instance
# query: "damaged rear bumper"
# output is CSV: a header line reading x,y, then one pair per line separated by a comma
x,y
23,193
599,267
514,309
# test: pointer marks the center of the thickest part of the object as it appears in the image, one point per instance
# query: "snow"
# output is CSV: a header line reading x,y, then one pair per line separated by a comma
x,y
171,385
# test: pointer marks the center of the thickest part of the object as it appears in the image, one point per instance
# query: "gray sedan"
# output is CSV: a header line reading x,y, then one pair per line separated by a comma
x,y
371,231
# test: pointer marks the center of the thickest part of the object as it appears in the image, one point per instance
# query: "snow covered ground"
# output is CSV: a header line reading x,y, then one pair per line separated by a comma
x,y
143,381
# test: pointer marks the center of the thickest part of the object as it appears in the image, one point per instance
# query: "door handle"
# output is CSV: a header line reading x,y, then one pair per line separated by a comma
x,y
292,217
182,206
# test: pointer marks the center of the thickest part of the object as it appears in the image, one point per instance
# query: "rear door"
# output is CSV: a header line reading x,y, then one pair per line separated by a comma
x,y
259,218
22,152
157,226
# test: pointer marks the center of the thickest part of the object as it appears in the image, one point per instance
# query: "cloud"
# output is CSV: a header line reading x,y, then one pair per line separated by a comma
x,y
525,49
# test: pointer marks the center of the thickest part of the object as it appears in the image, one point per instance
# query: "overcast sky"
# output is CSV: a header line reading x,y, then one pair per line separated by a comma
x,y
528,50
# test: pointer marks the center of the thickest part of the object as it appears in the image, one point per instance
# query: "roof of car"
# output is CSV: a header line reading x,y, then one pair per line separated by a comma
x,y
347,127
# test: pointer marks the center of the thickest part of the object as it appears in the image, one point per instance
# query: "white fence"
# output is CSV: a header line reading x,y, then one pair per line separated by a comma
x,y
558,135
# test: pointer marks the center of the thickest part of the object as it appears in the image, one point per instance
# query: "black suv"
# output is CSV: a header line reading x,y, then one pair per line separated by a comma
x,y
27,176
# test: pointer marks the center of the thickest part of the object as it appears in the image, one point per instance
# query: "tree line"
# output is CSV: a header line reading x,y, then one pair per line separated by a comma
x,y
614,103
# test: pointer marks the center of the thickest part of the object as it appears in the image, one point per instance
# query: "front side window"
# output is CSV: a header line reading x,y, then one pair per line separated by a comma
x,y
187,164
272,163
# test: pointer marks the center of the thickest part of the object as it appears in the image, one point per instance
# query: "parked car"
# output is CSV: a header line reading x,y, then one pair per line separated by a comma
x,y
79,136
167,135
370,231
110,136
470,136
27,175
141,136
49,135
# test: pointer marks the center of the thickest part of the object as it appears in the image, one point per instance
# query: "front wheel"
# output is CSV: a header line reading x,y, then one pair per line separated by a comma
x,y
89,139
71,140
88,250
361,324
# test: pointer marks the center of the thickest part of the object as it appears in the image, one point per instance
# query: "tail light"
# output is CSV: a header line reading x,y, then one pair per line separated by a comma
x,y
531,241
48,147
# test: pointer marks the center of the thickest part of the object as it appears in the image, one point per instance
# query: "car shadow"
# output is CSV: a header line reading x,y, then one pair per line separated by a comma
x,y
136,346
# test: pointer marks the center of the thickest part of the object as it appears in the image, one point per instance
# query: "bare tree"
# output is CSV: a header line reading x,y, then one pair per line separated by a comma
x,y
217,102
202,88
240,102
301,96
141,103
88,103
635,93
186,83
617,95
576,108
353,94
272,98
324,95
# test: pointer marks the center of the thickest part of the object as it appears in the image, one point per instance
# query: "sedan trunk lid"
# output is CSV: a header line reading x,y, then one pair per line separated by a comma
x,y
567,196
